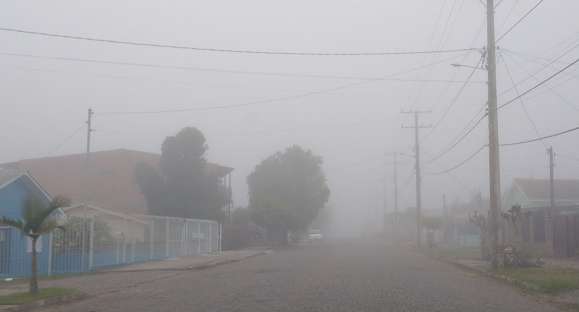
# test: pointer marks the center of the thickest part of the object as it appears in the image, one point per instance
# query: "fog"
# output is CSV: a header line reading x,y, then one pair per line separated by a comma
x,y
353,123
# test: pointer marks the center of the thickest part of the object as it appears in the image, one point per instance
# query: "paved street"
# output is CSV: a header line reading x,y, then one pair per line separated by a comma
x,y
344,276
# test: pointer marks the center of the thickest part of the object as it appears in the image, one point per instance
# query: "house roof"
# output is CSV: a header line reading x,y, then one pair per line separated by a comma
x,y
7,175
108,181
538,189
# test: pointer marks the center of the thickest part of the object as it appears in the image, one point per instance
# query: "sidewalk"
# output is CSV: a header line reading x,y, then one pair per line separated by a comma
x,y
556,282
115,279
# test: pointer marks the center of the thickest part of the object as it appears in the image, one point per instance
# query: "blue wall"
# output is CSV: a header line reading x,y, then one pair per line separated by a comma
x,y
16,260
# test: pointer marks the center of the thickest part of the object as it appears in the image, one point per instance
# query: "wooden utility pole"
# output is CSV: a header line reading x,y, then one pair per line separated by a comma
x,y
89,131
494,163
395,218
416,127
550,214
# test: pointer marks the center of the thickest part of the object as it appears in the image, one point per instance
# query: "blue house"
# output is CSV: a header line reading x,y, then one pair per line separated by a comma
x,y
15,248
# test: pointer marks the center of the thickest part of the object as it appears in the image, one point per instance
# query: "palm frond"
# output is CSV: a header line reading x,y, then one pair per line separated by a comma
x,y
15,223
47,226
36,213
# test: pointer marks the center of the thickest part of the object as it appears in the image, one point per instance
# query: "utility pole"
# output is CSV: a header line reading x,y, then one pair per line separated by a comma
x,y
551,213
416,127
395,219
446,221
494,163
89,131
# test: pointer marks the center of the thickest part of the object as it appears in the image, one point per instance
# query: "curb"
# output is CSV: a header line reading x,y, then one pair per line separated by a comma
x,y
198,267
497,277
47,302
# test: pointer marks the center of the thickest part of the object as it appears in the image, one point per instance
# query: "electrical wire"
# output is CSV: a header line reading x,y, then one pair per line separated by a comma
x,y
459,140
457,96
520,20
271,100
552,89
540,84
575,46
445,89
542,138
470,157
460,164
227,71
67,139
219,50
523,106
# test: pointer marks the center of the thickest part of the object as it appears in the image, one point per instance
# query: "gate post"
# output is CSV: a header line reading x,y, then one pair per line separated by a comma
x,y
167,224
91,244
198,237
49,269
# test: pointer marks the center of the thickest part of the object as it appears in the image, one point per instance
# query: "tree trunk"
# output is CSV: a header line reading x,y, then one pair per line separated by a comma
x,y
34,269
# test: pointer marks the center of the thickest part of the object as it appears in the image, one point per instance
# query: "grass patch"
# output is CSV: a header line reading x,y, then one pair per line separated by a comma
x,y
45,293
545,280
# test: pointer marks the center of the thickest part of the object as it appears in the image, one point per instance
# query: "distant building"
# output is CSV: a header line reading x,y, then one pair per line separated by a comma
x,y
107,181
533,195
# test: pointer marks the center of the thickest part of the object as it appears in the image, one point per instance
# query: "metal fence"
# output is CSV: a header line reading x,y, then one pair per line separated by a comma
x,y
94,241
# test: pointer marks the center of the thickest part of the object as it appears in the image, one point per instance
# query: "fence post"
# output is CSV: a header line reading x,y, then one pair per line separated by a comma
x,y
167,237
151,239
91,245
49,269
210,236
219,246
198,237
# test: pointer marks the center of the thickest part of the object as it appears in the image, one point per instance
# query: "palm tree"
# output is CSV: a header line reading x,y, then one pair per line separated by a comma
x,y
36,220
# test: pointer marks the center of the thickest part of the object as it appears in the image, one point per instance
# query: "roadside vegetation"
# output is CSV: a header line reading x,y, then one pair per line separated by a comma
x,y
544,280
45,293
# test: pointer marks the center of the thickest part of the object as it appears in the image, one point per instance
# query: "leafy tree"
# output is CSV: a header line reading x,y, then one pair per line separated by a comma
x,y
36,221
182,187
286,192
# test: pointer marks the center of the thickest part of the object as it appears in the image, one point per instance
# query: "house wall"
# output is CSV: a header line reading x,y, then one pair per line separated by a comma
x,y
15,258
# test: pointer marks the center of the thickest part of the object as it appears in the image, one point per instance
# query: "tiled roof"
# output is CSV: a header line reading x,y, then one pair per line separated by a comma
x,y
108,181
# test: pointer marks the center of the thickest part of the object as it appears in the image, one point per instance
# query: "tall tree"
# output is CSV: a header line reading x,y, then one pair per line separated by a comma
x,y
183,187
37,220
286,192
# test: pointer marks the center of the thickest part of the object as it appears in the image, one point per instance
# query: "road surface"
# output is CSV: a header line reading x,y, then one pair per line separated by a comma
x,y
341,276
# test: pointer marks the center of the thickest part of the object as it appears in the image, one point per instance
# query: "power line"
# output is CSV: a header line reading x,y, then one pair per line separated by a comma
x,y
457,96
519,20
539,84
551,88
270,100
545,66
445,89
237,51
542,138
228,71
470,157
68,138
459,140
523,106
462,163
510,12
537,60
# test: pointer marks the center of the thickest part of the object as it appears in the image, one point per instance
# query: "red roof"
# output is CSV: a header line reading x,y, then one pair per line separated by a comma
x,y
108,182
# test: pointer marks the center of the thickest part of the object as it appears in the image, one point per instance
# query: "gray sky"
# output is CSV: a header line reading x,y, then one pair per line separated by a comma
x,y
43,101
